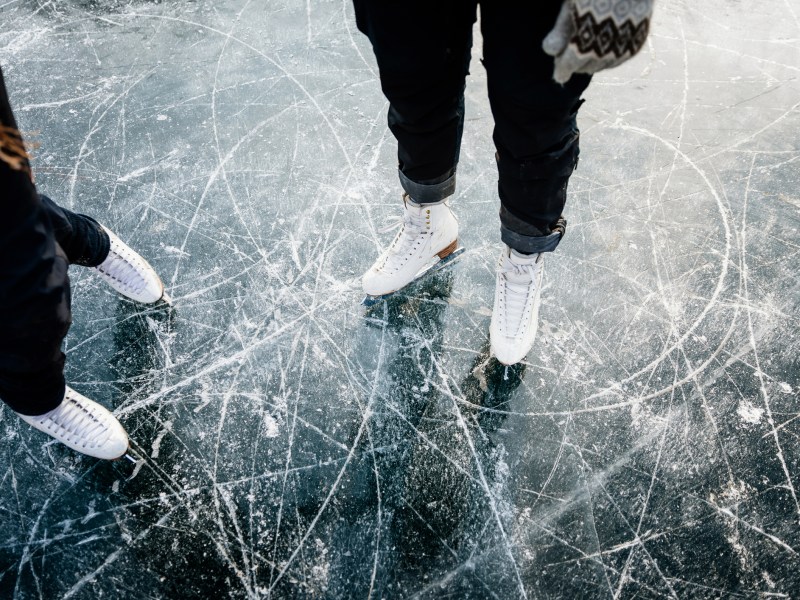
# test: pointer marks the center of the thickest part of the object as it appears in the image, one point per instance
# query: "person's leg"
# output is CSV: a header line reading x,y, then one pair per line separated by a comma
x,y
35,304
38,315
88,244
34,287
536,137
83,239
423,51
535,133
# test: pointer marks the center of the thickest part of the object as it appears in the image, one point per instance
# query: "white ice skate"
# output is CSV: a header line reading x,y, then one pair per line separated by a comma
x,y
427,241
515,317
130,274
84,426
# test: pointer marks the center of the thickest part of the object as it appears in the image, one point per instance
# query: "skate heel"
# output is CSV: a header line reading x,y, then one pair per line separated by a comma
x,y
446,258
448,251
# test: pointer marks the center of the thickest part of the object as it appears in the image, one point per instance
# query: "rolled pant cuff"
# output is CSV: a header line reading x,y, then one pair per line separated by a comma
x,y
530,244
428,193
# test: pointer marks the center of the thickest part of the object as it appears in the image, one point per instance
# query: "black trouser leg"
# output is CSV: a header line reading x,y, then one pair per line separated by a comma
x,y
34,287
535,132
82,238
31,360
423,53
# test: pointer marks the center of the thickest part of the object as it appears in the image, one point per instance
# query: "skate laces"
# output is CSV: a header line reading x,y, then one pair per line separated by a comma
x,y
519,281
78,422
412,224
121,268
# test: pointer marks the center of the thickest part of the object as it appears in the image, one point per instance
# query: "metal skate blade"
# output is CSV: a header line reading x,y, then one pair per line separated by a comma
x,y
370,300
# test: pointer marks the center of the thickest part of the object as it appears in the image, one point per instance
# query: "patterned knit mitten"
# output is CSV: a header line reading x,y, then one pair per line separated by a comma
x,y
590,35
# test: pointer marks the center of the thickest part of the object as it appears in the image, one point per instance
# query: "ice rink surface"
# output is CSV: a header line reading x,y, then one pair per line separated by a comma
x,y
292,444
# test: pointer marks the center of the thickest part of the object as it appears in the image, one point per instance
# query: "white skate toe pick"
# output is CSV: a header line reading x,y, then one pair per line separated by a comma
x,y
428,235
84,426
515,317
130,274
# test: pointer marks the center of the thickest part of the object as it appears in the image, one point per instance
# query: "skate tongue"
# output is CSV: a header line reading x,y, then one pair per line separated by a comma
x,y
518,258
519,270
519,278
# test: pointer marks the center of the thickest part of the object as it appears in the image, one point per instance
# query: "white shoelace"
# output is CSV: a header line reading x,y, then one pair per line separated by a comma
x,y
77,423
517,292
121,268
412,226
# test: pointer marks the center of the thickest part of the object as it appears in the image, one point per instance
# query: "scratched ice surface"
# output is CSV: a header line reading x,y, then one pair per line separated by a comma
x,y
292,444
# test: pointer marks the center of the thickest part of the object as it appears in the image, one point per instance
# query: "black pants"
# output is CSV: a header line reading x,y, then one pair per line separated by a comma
x,y
31,360
83,240
423,54
38,242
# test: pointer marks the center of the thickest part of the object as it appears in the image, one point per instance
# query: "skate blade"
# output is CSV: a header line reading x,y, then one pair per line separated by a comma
x,y
370,300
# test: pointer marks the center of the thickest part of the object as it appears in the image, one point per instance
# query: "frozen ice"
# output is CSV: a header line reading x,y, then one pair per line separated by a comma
x,y
291,443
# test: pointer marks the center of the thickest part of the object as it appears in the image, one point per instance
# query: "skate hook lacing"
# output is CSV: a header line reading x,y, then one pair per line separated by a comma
x,y
516,294
73,420
412,225
122,268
